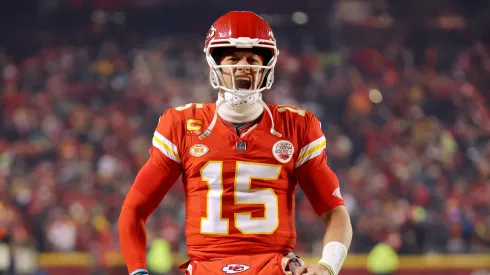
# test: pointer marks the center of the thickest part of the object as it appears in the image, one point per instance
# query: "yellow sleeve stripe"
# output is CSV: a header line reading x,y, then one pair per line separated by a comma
x,y
166,147
310,151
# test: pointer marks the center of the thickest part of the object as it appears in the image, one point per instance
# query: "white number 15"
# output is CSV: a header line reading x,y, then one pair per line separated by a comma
x,y
245,172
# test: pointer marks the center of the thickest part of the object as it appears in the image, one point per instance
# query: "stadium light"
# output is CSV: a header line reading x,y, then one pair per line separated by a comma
x,y
300,18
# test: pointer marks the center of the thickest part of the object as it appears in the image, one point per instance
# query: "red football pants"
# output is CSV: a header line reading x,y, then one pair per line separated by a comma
x,y
263,264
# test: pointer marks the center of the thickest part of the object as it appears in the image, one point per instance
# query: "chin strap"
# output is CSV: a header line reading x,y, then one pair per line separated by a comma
x,y
213,122
273,130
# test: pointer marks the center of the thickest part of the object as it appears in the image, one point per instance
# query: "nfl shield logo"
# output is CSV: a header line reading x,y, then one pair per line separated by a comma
x,y
241,146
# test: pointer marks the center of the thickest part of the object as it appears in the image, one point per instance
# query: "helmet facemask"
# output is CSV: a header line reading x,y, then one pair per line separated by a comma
x,y
242,91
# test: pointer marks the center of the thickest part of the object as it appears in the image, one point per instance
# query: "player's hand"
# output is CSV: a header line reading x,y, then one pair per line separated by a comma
x,y
313,269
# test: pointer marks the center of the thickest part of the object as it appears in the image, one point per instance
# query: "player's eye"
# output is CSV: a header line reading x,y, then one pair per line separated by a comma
x,y
254,60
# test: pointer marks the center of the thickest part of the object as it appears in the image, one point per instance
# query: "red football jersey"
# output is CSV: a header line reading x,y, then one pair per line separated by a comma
x,y
240,190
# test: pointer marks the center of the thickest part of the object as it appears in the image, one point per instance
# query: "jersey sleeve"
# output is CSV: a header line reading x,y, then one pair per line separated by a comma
x,y
167,139
150,186
152,183
316,179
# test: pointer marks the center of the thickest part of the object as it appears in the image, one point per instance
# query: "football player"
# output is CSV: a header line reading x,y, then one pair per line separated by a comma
x,y
240,161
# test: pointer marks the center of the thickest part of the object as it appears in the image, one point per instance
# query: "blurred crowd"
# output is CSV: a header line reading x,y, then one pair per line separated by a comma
x,y
409,142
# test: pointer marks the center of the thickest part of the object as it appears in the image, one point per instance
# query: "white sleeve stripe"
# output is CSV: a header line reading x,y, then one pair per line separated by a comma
x,y
313,149
163,139
165,148
312,155
310,145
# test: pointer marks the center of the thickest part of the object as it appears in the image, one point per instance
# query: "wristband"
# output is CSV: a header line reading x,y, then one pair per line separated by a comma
x,y
333,257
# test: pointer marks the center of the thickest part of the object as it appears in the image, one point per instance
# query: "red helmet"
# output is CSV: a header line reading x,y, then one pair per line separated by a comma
x,y
244,30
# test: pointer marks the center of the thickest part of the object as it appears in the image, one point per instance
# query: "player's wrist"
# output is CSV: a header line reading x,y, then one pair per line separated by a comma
x,y
140,272
327,267
333,257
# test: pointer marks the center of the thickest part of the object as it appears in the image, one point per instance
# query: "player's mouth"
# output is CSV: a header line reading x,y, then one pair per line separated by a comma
x,y
243,82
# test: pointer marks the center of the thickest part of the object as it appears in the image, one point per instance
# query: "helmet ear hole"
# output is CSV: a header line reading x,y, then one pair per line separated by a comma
x,y
214,79
269,79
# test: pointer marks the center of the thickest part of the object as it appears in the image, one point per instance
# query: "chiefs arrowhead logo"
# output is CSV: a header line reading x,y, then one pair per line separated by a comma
x,y
235,268
336,193
211,33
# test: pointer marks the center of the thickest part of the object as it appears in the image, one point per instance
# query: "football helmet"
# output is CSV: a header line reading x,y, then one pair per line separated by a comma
x,y
241,30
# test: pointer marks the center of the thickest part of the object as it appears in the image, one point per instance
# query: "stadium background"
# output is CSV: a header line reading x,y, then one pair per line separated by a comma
x,y
401,87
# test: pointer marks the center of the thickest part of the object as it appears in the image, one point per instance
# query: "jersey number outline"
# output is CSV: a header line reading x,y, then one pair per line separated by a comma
x,y
291,108
245,172
188,105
